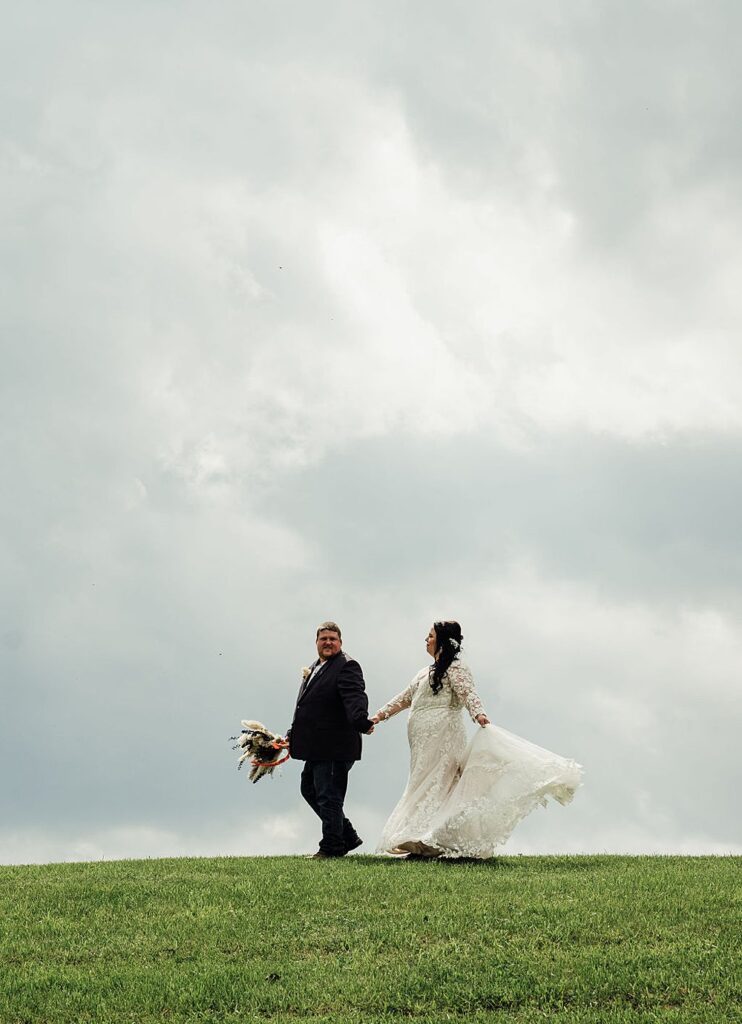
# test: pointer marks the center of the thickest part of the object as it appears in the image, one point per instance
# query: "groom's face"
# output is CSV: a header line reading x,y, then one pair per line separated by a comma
x,y
328,643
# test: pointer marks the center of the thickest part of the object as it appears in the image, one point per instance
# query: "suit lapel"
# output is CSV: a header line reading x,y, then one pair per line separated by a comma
x,y
303,683
331,666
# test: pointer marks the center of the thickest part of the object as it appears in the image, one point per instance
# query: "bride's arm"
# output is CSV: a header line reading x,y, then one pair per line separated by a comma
x,y
396,704
462,684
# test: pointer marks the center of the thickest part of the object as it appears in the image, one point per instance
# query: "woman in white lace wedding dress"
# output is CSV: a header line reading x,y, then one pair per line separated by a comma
x,y
464,797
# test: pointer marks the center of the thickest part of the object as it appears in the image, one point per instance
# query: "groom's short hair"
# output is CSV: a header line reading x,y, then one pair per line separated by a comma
x,y
331,626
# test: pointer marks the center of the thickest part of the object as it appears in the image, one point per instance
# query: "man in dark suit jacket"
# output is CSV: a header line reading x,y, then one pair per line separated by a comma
x,y
331,713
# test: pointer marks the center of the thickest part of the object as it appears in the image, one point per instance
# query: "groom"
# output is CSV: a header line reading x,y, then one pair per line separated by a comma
x,y
331,713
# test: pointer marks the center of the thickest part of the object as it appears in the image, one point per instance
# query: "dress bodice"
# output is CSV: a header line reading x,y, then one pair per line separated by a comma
x,y
457,692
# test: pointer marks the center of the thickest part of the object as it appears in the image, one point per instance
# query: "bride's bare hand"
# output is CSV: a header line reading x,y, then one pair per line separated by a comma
x,y
483,720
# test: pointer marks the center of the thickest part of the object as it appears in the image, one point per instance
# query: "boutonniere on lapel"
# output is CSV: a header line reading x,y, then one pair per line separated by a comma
x,y
305,674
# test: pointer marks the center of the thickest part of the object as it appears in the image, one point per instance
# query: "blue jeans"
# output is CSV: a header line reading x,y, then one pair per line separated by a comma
x,y
323,786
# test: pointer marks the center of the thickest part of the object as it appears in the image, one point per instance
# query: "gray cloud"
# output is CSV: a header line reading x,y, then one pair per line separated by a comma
x,y
153,638
635,521
374,313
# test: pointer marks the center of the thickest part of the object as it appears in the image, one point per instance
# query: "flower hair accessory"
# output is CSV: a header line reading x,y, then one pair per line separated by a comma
x,y
454,643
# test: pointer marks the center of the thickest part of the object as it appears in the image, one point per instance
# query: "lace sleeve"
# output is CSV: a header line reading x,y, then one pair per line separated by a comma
x,y
462,684
398,703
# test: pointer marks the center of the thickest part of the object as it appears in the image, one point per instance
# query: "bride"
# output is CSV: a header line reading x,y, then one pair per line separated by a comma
x,y
463,799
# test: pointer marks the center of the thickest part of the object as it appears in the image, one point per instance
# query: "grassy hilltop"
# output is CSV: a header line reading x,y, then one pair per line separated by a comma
x,y
290,940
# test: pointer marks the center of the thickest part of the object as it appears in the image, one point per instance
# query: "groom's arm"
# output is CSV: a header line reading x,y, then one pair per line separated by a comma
x,y
352,692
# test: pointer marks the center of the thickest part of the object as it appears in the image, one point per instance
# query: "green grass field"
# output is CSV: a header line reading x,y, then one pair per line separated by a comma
x,y
287,939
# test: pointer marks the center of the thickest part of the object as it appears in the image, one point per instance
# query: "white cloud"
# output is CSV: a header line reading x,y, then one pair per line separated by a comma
x,y
625,839
236,256
441,315
293,835
249,835
272,836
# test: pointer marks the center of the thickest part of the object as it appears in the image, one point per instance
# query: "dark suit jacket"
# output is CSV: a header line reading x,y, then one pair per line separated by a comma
x,y
331,713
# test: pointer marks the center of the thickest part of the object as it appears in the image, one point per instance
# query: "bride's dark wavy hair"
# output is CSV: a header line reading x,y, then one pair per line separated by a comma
x,y
448,639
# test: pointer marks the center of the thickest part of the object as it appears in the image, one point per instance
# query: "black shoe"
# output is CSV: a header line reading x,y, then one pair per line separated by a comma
x,y
354,844
321,855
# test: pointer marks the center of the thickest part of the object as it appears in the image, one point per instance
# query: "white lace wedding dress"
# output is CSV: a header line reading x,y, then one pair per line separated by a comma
x,y
464,797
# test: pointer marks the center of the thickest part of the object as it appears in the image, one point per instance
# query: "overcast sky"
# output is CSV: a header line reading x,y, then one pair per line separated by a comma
x,y
381,312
